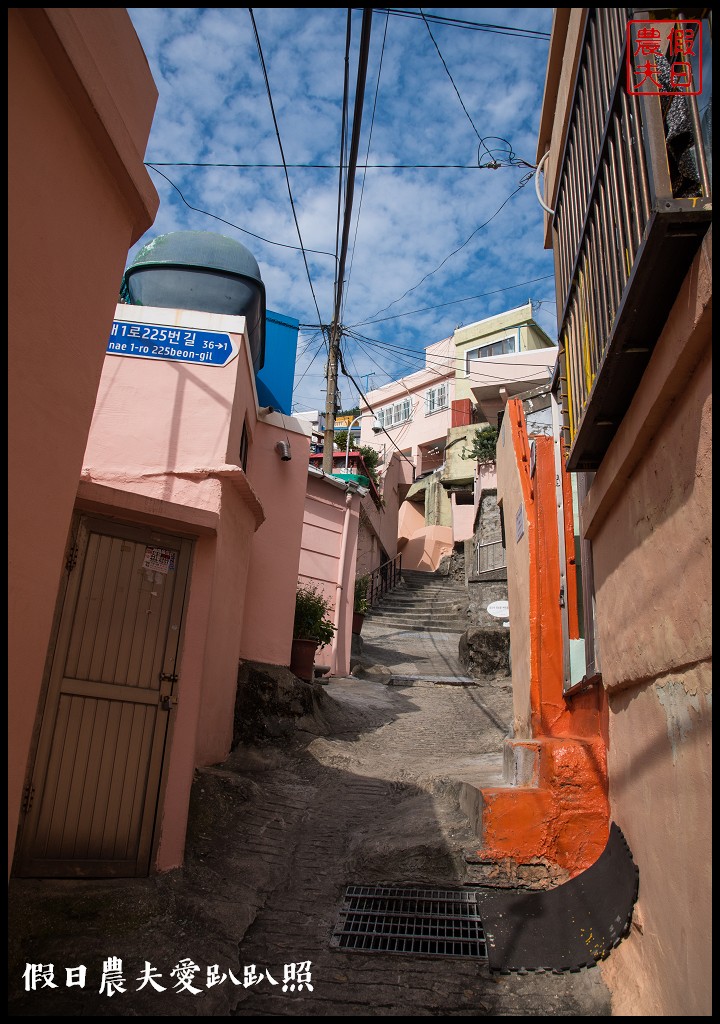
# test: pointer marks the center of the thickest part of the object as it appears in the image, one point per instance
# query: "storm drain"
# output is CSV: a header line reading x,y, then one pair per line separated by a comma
x,y
388,919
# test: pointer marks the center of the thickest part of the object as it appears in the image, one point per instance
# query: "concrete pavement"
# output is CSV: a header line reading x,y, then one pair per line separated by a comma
x,y
360,794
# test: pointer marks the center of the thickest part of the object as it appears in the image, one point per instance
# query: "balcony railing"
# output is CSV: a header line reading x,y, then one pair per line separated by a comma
x,y
626,228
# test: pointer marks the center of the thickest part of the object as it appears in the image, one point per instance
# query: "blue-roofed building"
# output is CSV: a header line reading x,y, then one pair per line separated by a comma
x,y
275,379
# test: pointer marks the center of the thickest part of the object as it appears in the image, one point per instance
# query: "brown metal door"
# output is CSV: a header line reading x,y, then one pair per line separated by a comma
x,y
93,799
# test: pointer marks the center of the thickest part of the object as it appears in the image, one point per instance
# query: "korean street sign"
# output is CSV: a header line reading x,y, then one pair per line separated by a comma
x,y
181,344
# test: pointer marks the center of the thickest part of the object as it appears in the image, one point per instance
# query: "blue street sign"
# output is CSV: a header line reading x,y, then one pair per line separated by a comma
x,y
181,344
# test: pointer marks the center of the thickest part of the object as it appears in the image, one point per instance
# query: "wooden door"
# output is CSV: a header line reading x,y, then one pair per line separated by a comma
x,y
93,798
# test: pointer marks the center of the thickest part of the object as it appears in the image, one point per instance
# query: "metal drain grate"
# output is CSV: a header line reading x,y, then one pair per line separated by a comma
x,y
388,919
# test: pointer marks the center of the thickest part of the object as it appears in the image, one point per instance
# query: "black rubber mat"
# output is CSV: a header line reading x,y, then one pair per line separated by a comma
x,y
569,927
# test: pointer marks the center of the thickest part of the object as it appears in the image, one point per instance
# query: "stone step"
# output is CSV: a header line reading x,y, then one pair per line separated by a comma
x,y
429,627
414,591
416,615
436,605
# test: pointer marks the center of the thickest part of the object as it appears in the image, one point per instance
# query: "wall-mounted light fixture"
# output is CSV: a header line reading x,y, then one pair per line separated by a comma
x,y
283,450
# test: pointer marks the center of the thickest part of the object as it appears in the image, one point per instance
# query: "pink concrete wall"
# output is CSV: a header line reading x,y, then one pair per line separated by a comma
x,y
328,558
81,100
275,551
169,432
422,429
425,547
649,515
463,517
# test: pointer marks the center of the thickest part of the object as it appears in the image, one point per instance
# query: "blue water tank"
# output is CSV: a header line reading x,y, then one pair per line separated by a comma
x,y
204,271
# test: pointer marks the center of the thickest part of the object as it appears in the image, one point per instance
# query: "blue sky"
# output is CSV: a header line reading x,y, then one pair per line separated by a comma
x,y
430,247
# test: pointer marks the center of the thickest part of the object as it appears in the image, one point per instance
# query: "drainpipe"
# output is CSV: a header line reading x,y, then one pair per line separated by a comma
x,y
339,584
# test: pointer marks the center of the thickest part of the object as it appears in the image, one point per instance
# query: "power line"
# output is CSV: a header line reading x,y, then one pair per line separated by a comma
x,y
371,319
335,326
282,155
370,409
206,213
317,352
441,305
326,167
446,365
453,302
367,153
477,26
457,91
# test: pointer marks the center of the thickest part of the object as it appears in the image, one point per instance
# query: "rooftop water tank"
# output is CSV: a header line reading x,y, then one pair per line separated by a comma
x,y
204,271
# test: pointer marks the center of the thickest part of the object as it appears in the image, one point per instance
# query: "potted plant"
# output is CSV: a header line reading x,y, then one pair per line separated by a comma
x,y
361,603
312,628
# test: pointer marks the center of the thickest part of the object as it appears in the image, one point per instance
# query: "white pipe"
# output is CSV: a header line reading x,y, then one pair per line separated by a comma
x,y
537,184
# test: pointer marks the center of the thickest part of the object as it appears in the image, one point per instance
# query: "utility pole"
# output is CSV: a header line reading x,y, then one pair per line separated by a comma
x,y
335,328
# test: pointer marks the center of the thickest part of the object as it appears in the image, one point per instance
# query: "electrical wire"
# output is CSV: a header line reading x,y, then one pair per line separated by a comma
x,y
330,167
196,209
367,154
371,319
452,80
447,365
370,409
477,26
317,352
343,140
494,164
453,302
282,156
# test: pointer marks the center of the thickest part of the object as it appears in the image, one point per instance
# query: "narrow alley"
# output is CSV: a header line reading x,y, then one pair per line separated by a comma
x,y
361,793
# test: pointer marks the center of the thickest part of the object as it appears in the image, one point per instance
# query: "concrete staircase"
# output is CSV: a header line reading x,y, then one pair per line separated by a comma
x,y
424,601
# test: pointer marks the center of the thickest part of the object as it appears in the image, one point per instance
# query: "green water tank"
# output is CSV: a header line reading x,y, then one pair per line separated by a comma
x,y
200,270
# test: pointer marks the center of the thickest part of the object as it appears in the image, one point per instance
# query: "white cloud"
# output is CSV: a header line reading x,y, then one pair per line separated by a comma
x,y
214,107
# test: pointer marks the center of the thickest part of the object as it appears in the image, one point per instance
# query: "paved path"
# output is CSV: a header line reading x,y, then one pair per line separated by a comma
x,y
411,652
362,795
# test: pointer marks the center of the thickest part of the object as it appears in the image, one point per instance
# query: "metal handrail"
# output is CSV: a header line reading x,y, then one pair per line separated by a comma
x,y
384,578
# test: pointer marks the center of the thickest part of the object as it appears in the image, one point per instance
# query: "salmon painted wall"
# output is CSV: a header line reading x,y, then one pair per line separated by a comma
x,y
328,559
652,553
169,432
463,518
81,102
511,498
275,551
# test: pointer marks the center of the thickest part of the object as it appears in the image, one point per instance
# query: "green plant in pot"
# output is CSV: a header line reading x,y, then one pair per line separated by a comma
x,y
361,602
312,628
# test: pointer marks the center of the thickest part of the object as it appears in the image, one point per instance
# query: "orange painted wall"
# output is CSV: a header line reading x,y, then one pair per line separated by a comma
x,y
81,101
563,815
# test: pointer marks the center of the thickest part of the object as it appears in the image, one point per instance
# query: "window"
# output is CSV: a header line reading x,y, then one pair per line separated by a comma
x,y
436,399
495,348
392,415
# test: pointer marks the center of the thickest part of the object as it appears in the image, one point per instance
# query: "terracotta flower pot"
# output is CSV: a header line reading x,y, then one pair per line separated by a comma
x,y
302,659
357,621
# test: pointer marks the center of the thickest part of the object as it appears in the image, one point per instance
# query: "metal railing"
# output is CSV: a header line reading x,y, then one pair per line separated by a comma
x,y
384,578
489,556
622,239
